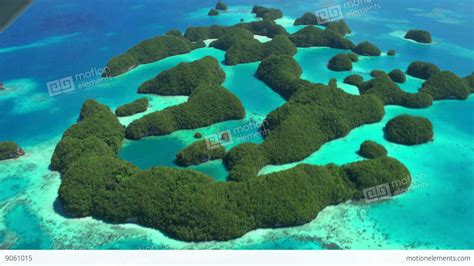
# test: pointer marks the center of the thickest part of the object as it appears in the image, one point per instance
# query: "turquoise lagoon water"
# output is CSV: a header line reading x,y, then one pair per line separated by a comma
x,y
435,213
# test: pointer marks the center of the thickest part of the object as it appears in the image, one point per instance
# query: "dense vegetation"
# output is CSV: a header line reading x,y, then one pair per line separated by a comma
x,y
188,205
149,51
340,62
384,88
469,80
371,150
314,37
185,78
221,5
98,132
135,107
421,36
252,51
446,85
397,76
354,79
309,18
207,104
409,130
265,28
367,49
213,12
332,112
231,36
199,152
340,27
376,73
10,150
173,43
422,70
267,13
281,74
353,57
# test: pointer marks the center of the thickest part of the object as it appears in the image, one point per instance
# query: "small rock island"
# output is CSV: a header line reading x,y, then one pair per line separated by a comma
x,y
200,152
371,150
422,70
135,107
221,6
420,36
367,49
341,62
409,130
213,12
10,150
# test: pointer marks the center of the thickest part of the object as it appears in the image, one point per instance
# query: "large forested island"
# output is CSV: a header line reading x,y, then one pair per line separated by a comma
x,y
191,206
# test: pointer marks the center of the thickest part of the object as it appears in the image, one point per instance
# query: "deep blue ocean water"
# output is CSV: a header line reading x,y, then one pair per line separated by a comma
x,y
56,39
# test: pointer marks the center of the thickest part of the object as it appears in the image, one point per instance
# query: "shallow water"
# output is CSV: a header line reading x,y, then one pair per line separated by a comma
x,y
435,213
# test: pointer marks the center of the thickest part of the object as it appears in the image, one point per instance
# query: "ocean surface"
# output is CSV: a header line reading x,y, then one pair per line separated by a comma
x,y
58,39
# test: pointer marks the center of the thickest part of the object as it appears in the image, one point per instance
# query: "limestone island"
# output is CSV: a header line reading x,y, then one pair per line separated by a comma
x,y
390,93
355,80
409,130
341,62
391,52
367,49
422,70
446,85
267,13
10,150
213,12
221,6
191,206
371,150
200,152
135,107
420,36
397,76
309,18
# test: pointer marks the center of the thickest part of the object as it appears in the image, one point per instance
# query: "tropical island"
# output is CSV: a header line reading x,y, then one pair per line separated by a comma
x,y
267,13
341,62
422,70
221,6
397,76
420,36
371,150
367,49
446,85
192,206
135,107
309,18
10,150
200,152
409,130
355,80
390,93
